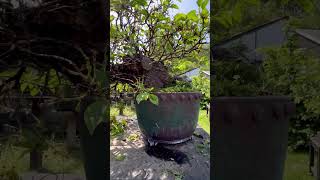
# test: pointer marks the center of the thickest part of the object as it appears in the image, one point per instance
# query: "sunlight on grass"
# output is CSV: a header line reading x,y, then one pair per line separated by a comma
x,y
128,111
204,121
297,167
56,160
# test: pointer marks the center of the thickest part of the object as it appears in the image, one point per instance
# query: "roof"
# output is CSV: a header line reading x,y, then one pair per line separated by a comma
x,y
236,36
188,71
310,34
206,72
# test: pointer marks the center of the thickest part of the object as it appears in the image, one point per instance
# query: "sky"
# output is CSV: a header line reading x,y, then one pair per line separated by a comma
x,y
186,6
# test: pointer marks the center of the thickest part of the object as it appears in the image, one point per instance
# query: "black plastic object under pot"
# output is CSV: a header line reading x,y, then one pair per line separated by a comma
x,y
94,147
250,136
172,121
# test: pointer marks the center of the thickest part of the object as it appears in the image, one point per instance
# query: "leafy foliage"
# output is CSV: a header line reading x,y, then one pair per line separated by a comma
x,y
145,94
179,86
202,84
236,78
145,27
297,74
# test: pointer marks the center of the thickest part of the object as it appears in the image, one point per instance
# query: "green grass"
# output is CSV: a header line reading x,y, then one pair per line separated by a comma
x,y
56,160
204,121
296,167
128,111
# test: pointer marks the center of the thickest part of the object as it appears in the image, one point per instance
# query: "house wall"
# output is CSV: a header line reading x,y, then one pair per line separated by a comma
x,y
309,45
271,35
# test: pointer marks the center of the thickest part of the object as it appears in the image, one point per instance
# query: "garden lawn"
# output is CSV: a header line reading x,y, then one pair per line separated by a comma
x,y
204,121
297,167
56,160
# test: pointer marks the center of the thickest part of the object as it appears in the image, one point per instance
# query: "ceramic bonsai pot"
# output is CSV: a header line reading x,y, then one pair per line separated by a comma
x,y
250,136
172,121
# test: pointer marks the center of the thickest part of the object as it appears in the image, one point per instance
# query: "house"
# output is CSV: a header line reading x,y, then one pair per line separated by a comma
x,y
246,44
308,39
188,75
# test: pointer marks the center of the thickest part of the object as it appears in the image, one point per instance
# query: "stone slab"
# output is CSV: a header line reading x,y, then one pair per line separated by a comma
x,y
137,164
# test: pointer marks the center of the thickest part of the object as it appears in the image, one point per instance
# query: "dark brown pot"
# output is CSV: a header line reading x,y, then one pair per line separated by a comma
x,y
250,137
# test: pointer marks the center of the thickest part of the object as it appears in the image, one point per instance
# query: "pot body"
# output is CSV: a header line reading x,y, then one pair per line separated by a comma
x,y
94,147
173,120
250,136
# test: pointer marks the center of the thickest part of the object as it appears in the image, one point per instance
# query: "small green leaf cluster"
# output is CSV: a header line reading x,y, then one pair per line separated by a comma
x,y
202,84
145,94
117,127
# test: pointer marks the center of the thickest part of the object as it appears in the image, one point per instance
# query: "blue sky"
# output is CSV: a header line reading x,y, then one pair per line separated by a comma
x,y
186,6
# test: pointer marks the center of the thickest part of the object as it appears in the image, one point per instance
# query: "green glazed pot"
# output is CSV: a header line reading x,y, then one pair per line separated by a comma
x,y
172,121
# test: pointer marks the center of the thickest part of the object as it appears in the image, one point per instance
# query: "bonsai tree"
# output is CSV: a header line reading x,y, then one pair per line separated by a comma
x,y
146,40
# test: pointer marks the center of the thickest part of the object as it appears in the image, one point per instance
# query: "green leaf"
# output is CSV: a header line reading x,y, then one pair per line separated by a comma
x,y
154,99
199,2
144,12
23,86
179,16
142,97
174,6
192,15
95,114
101,77
112,18
120,157
140,2
204,13
34,91
204,4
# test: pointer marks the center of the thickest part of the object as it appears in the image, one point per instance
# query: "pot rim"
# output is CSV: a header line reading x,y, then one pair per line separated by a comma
x,y
252,98
178,93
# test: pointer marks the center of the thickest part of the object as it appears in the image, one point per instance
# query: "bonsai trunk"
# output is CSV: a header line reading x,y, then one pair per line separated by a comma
x,y
71,140
121,111
36,159
36,155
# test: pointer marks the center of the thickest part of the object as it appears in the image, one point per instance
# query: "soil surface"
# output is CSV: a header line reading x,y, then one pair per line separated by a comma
x,y
45,176
129,160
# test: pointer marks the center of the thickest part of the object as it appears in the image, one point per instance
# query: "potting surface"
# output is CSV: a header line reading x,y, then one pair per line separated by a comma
x,y
130,160
45,176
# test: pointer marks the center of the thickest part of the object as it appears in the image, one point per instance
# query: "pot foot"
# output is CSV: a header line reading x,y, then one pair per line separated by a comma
x,y
152,142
